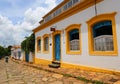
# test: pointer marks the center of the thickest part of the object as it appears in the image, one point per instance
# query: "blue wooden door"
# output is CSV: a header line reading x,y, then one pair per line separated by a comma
x,y
27,57
57,47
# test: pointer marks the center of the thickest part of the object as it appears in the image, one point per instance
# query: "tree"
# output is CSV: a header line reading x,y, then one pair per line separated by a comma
x,y
23,45
8,50
2,52
5,51
28,45
31,43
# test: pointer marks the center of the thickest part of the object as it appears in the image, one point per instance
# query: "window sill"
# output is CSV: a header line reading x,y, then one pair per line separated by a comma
x,y
38,51
46,52
73,52
104,53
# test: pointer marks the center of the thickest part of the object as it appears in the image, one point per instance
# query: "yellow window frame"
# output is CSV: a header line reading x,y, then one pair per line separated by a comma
x,y
45,36
68,29
38,38
91,22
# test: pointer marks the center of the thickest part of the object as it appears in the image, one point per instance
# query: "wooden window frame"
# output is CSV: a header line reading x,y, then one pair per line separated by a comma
x,y
94,20
38,38
68,29
45,36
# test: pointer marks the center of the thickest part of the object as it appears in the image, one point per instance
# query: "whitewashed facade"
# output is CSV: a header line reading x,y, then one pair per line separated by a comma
x,y
16,52
108,59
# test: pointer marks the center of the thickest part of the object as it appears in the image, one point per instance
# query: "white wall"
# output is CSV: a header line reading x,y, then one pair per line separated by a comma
x,y
108,62
31,57
41,54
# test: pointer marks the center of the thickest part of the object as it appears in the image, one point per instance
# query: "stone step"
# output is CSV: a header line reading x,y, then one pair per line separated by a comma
x,y
54,65
56,62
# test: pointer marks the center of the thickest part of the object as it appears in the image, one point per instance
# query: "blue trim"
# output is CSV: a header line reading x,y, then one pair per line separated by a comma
x,y
100,25
57,47
71,33
27,57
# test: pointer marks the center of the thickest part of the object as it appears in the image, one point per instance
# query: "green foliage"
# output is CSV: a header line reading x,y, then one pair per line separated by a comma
x,y
67,75
28,45
97,82
23,45
8,50
2,51
83,79
90,81
5,51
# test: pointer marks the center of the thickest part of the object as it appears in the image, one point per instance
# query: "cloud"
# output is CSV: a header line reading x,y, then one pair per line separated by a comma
x,y
15,33
51,3
33,16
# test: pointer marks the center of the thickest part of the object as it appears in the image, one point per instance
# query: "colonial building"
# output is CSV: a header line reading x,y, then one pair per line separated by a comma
x,y
16,52
80,34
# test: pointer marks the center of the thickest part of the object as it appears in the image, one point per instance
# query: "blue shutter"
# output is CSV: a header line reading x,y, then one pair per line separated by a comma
x,y
73,32
100,25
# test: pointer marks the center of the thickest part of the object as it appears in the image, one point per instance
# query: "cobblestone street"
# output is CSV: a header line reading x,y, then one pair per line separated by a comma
x,y
18,72
14,73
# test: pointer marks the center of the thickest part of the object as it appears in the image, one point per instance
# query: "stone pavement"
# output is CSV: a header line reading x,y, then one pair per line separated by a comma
x,y
86,76
16,73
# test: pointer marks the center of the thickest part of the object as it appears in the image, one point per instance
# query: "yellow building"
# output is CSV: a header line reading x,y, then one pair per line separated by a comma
x,y
80,34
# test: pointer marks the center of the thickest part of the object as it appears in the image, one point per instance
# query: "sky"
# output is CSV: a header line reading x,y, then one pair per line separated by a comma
x,y
19,17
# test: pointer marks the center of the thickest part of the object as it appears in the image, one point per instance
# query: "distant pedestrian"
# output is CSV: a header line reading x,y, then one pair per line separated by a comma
x,y
6,59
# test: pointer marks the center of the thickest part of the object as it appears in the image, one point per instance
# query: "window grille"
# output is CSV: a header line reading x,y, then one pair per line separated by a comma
x,y
103,43
39,44
57,12
74,44
48,18
65,7
46,44
70,3
75,1
74,39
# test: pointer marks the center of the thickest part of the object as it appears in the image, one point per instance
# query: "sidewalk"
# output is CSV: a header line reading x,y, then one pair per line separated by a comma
x,y
86,76
18,73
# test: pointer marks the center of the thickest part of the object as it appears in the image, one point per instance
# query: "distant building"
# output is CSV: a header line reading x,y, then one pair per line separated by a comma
x,y
16,52
81,34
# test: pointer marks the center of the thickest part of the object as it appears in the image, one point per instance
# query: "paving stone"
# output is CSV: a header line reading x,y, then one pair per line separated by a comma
x,y
48,75
2,77
16,82
115,77
4,83
31,83
57,76
113,80
33,79
44,79
52,79
37,80
118,82
40,83
97,79
68,82
57,82
79,82
26,79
